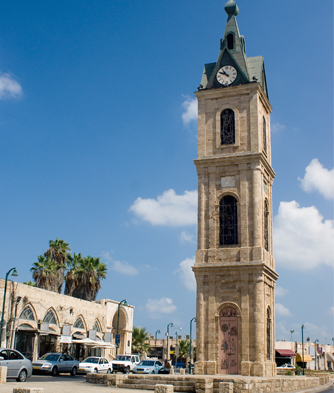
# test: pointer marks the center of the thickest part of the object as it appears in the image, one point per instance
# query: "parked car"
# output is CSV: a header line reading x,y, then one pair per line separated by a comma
x,y
286,366
148,367
18,366
55,363
125,363
95,364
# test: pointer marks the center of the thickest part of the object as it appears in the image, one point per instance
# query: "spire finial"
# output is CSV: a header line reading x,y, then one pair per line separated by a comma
x,y
231,8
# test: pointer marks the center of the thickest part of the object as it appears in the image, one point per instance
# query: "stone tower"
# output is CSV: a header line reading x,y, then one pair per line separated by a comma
x,y
234,268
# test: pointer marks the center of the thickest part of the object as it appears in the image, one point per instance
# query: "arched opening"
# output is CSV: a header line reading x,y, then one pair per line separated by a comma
x,y
266,226
228,341
120,319
228,221
227,127
268,333
230,41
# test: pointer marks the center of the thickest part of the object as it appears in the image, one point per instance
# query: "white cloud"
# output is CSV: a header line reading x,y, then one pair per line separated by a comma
x,y
301,238
168,209
280,291
9,88
157,307
318,178
185,237
190,110
124,268
276,127
282,310
186,274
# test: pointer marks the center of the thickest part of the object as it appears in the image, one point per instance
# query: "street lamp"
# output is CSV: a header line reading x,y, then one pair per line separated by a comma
x,y
303,327
167,334
14,274
118,339
176,345
291,331
190,354
158,331
315,353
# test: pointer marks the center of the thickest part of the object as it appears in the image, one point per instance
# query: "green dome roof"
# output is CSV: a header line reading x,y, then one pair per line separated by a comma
x,y
231,8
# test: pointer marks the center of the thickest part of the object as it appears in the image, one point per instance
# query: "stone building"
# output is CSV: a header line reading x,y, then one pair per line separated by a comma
x,y
40,321
234,268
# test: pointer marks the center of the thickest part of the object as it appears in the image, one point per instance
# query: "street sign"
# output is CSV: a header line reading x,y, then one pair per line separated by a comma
x,y
117,338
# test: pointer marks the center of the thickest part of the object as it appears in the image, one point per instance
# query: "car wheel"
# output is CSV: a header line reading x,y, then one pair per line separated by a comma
x,y
108,371
22,376
74,371
95,370
54,371
127,370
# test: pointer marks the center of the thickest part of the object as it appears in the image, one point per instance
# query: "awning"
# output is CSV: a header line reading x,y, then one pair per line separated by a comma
x,y
285,352
307,358
27,327
329,357
94,344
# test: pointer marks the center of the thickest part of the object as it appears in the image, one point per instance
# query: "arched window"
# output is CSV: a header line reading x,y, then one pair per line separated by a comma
x,y
230,41
264,129
266,226
268,333
27,314
50,317
227,127
79,323
97,326
228,220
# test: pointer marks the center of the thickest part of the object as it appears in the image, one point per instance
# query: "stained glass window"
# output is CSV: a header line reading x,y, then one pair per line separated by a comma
x,y
227,127
266,226
264,126
27,314
50,317
79,324
228,218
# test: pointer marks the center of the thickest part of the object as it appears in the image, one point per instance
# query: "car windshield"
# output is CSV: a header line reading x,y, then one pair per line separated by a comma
x,y
52,357
124,358
91,360
147,363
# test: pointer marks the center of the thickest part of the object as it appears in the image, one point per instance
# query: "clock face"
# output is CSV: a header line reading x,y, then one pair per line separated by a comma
x,y
226,75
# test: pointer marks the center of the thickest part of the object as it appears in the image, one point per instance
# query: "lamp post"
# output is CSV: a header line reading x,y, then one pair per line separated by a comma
x,y
176,344
158,331
190,354
167,334
117,335
303,327
291,331
14,274
315,353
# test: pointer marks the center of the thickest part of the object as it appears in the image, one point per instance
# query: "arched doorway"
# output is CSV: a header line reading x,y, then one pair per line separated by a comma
x,y
228,341
121,320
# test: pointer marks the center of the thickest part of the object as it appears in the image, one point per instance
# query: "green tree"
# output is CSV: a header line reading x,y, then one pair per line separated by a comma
x,y
140,343
184,346
44,272
58,252
30,283
83,279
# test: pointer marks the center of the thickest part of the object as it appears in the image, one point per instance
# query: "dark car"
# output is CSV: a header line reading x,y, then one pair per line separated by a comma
x,y
55,363
18,366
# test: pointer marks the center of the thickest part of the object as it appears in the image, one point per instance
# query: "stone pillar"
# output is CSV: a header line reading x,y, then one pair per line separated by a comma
x,y
257,212
200,326
258,367
3,374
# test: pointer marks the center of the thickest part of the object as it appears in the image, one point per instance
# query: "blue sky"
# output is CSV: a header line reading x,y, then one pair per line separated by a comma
x,y
98,133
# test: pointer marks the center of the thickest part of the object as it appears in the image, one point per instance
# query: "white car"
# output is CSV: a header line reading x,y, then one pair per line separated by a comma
x,y
286,366
95,364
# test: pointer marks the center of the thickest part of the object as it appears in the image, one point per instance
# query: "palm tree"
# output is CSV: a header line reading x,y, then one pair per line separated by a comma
x,y
85,274
140,343
71,275
184,346
58,252
44,272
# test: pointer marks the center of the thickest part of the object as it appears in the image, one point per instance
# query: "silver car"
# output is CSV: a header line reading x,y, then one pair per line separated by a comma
x,y
55,363
18,366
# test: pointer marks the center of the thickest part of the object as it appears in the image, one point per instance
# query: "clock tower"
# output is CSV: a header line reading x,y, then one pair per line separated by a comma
x,y
234,268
